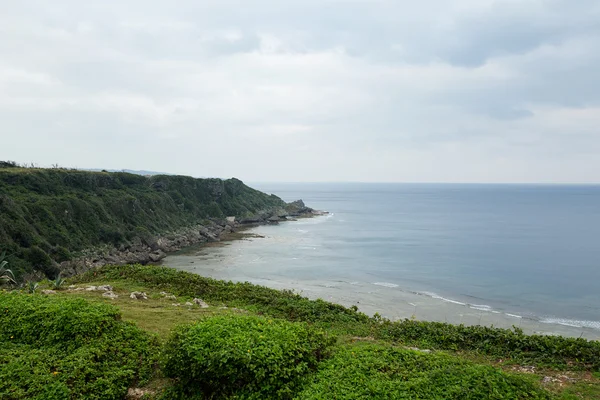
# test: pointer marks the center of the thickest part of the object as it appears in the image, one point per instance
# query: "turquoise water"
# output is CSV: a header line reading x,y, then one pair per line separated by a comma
x,y
521,251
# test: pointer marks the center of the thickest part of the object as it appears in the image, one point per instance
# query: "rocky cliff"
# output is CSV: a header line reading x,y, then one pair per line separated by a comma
x,y
57,220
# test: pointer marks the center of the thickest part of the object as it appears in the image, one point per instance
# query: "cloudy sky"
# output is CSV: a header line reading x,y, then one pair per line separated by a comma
x,y
327,90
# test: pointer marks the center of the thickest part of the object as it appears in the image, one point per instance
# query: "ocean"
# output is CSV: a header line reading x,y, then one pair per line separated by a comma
x,y
502,255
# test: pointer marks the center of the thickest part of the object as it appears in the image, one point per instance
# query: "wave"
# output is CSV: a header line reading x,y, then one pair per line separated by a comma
x,y
572,322
386,284
513,315
490,309
436,296
481,307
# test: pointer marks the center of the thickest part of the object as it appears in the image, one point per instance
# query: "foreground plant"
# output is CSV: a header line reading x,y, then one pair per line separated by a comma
x,y
58,282
6,275
58,349
32,287
244,356
373,371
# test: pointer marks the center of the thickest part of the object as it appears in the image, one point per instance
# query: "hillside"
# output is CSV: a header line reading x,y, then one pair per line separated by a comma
x,y
48,215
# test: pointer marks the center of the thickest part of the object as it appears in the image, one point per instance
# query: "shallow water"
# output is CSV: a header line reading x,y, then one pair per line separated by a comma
x,y
498,255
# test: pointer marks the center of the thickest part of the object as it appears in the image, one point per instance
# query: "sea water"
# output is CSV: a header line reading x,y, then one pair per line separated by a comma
x,y
502,255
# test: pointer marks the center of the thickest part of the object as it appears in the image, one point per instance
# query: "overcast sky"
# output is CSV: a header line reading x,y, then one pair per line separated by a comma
x,y
328,90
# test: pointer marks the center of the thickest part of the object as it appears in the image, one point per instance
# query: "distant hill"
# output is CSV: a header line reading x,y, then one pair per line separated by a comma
x,y
130,171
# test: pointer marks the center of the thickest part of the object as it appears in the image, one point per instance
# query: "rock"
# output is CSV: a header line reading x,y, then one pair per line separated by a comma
x,y
138,296
176,305
208,235
138,394
110,295
157,255
72,286
419,350
90,288
104,288
200,303
170,297
48,291
548,379
189,304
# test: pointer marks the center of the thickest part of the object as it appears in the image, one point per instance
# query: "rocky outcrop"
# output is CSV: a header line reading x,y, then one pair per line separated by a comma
x,y
153,249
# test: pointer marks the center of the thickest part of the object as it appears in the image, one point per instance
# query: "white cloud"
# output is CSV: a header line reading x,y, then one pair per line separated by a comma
x,y
315,90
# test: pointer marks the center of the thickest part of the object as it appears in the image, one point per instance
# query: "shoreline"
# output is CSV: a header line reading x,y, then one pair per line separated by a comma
x,y
152,248
389,300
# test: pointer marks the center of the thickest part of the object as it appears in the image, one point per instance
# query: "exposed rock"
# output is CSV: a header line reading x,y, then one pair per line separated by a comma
x,y
525,369
170,297
110,295
137,393
91,288
48,291
200,303
138,296
104,288
419,350
189,304
154,249
157,255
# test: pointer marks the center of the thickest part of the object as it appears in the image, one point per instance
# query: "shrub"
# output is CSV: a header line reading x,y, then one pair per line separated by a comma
x,y
553,351
372,371
246,356
56,348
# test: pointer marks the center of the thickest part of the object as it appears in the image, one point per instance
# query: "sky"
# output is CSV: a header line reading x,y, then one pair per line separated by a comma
x,y
292,91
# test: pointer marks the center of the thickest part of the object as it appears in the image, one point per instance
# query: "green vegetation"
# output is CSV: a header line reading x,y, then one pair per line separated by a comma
x,y
6,275
546,351
48,214
57,348
372,371
203,353
275,303
510,345
246,356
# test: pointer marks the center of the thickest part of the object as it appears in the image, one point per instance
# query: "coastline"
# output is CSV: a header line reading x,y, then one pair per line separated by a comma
x,y
389,300
149,248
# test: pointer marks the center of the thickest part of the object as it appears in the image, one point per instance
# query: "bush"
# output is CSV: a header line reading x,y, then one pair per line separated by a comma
x,y
552,351
41,261
371,371
56,348
247,356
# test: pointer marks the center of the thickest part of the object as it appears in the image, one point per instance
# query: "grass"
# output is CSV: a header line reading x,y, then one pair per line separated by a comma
x,y
156,315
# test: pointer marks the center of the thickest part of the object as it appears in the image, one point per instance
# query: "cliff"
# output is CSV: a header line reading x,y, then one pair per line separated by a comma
x,y
58,220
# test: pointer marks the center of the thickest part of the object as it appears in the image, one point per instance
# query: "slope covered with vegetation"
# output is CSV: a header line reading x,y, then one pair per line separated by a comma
x,y
47,214
253,342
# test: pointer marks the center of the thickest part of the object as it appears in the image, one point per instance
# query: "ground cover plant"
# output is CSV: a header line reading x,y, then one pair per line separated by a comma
x,y
374,371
